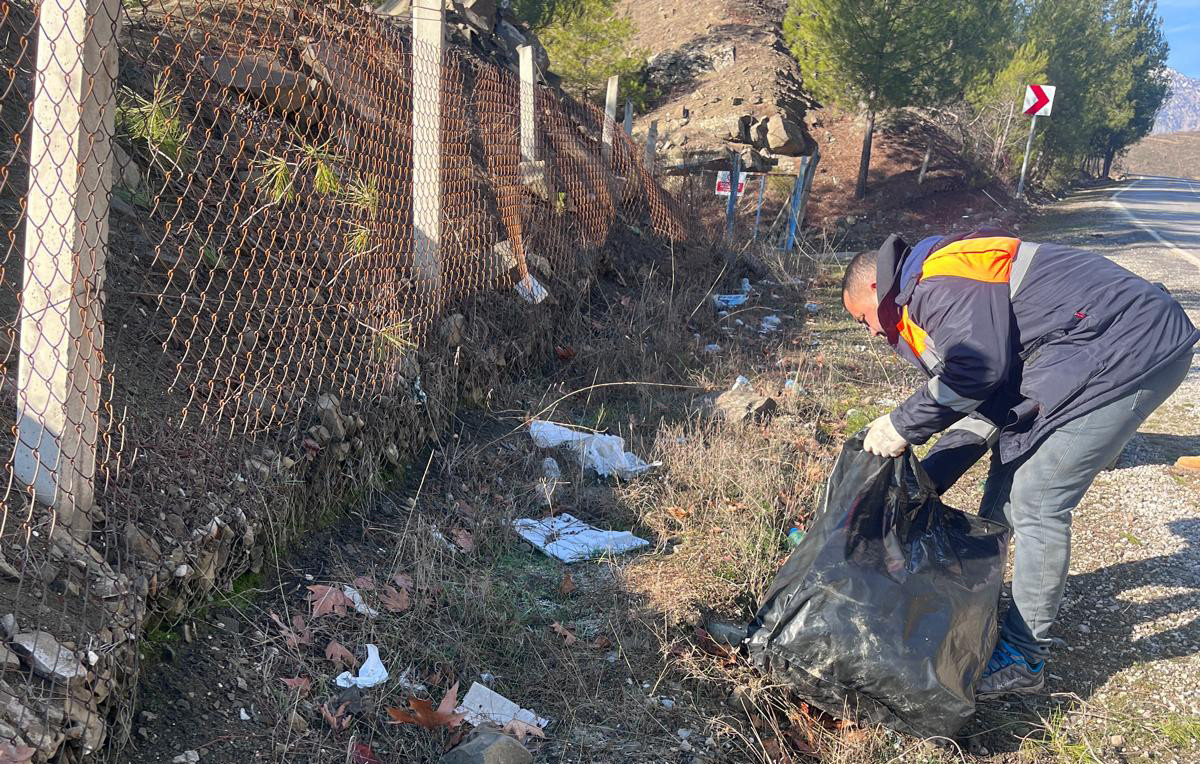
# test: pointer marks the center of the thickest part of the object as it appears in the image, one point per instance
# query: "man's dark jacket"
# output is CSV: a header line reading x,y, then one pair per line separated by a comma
x,y
1078,332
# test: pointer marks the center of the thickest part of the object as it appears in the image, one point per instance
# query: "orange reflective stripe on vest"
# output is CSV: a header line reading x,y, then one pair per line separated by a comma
x,y
912,334
989,260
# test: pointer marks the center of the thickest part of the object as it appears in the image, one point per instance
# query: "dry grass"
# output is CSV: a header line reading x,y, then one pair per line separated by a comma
x,y
639,683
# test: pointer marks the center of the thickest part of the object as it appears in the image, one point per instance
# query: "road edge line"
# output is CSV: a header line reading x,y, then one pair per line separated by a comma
x,y
1116,202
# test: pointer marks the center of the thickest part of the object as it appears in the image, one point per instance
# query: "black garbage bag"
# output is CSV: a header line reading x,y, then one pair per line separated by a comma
x,y
886,611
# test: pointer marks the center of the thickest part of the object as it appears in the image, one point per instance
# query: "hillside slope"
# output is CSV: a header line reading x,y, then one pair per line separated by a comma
x,y
1175,155
1181,112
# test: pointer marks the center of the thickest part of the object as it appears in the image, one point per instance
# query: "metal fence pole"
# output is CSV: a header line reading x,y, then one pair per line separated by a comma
x,y
762,189
66,247
731,207
629,118
796,201
428,31
610,118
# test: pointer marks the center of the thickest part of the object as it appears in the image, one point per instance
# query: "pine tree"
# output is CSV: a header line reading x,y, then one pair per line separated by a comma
x,y
883,54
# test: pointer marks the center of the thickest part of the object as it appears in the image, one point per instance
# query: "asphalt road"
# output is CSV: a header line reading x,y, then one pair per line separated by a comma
x,y
1166,208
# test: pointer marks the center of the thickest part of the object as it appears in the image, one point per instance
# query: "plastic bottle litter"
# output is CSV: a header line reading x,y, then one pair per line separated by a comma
x,y
551,469
794,537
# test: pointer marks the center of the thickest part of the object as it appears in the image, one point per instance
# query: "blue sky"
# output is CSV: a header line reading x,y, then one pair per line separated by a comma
x,y
1181,22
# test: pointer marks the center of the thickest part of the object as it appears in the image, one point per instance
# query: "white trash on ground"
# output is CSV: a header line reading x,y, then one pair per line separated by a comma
x,y
360,605
741,383
770,324
531,290
729,301
568,539
605,454
371,673
550,468
485,706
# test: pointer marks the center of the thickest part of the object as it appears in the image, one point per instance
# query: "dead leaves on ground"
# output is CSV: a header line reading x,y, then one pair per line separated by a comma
x,y
337,719
298,634
424,715
394,600
464,540
328,599
300,683
361,753
568,636
521,730
340,656
567,586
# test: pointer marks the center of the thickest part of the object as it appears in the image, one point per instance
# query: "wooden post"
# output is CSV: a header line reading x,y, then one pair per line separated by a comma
x,y
629,118
66,247
610,118
652,146
731,207
528,123
428,33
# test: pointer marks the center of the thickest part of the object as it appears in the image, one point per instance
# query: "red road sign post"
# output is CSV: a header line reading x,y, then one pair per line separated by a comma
x,y
1039,100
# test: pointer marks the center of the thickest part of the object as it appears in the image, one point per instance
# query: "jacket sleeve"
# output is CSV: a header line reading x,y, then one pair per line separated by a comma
x,y
963,444
968,351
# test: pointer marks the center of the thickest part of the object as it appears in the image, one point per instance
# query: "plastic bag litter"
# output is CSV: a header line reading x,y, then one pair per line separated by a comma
x,y
360,604
886,611
605,454
568,539
371,673
485,706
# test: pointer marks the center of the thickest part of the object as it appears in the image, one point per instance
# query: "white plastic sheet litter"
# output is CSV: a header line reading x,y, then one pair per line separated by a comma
x,y
605,454
371,673
531,290
568,539
482,705
360,605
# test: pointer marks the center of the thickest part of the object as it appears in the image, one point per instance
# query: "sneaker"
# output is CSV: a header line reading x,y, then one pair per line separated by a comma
x,y
1009,672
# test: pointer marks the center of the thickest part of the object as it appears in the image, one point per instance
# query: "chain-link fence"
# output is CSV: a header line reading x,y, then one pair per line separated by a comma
x,y
245,245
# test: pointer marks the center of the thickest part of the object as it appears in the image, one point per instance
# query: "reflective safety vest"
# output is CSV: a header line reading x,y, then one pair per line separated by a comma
x,y
992,260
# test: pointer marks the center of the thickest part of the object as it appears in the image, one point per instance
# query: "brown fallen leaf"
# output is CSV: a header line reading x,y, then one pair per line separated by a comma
x,y
463,539
568,636
567,586
521,730
602,642
301,683
394,600
361,753
714,648
342,657
327,599
404,581
679,513
336,719
423,714
564,352
364,583
298,634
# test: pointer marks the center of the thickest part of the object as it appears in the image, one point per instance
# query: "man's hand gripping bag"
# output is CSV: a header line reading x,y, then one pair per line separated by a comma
x,y
886,612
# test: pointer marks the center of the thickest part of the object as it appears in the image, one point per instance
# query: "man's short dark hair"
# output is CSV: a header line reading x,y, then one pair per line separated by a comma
x,y
860,273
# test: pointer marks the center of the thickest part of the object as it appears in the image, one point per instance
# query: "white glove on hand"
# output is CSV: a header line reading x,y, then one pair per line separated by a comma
x,y
882,438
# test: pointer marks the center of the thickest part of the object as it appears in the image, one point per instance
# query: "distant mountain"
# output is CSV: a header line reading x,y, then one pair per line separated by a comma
x,y
1182,109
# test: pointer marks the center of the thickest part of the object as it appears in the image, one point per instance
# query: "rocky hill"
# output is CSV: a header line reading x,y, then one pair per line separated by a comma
x,y
725,81
1182,109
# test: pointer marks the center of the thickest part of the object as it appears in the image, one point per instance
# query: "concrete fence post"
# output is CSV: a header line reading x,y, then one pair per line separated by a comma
x,y
610,118
528,122
652,147
629,118
428,34
66,247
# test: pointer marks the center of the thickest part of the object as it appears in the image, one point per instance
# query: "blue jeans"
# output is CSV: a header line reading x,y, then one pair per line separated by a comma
x,y
1036,494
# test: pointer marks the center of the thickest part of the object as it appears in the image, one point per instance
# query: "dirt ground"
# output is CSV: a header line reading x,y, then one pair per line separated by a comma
x,y
608,650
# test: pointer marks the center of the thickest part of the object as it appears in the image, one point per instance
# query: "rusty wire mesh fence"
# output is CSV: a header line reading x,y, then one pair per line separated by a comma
x,y
235,234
